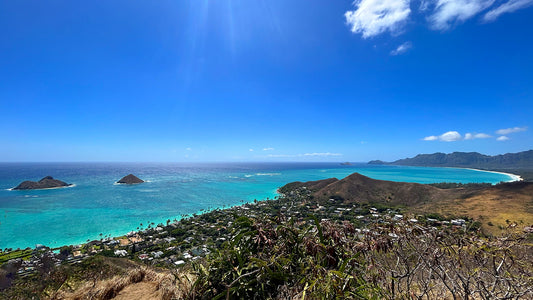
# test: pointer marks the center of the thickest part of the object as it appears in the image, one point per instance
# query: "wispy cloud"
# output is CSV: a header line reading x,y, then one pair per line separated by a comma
x,y
402,49
251,150
373,17
510,130
314,154
508,7
322,154
424,5
268,149
431,138
450,12
281,155
502,138
471,136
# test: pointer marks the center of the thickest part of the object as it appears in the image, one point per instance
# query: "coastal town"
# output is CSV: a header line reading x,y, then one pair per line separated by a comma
x,y
177,243
284,242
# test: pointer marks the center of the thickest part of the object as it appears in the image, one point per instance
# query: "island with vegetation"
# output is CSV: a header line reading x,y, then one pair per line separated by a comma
x,y
47,182
351,238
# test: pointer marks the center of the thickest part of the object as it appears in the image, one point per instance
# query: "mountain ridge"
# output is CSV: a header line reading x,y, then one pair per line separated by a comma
x,y
519,160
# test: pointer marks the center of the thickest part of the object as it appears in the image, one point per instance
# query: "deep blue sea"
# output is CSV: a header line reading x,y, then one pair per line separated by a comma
x,y
96,205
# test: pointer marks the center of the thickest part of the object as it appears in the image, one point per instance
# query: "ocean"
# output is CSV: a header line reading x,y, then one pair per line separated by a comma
x,y
96,207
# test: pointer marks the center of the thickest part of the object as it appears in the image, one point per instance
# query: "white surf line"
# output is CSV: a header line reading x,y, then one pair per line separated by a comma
x,y
514,177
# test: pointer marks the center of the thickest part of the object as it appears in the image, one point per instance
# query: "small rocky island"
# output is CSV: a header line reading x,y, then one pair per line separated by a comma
x,y
130,179
47,182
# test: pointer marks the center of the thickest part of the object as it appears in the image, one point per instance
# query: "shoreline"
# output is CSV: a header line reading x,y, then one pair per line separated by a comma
x,y
513,177
157,222
178,217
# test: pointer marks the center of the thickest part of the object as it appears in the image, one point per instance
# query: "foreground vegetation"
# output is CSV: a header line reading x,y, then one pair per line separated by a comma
x,y
298,246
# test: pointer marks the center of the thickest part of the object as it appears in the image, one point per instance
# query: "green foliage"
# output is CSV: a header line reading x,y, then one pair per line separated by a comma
x,y
268,255
243,222
279,258
290,187
337,198
435,216
475,226
108,253
178,232
5,256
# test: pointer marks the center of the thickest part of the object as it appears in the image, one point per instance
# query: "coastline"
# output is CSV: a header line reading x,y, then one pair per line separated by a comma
x,y
513,177
123,226
179,244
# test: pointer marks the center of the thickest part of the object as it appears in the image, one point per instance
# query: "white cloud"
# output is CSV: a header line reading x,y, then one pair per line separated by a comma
x,y
449,12
502,138
470,136
508,7
402,48
450,136
268,149
251,150
431,138
482,136
424,5
314,154
188,149
373,17
281,155
510,130
322,154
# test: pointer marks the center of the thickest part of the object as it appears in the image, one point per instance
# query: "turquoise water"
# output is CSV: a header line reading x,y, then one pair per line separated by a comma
x,y
95,205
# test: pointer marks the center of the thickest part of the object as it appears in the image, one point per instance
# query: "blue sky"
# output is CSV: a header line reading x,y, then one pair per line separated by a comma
x,y
272,80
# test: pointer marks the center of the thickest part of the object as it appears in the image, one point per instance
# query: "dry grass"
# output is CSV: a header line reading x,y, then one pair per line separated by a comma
x,y
500,206
138,283
504,206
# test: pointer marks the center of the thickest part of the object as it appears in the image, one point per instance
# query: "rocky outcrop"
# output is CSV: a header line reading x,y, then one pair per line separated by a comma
x,y
47,182
130,179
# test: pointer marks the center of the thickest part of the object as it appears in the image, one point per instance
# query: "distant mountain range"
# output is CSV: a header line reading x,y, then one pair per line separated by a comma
x,y
520,160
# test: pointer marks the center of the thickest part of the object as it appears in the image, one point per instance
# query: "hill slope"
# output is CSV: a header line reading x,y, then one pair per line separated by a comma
x,y
361,189
493,206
